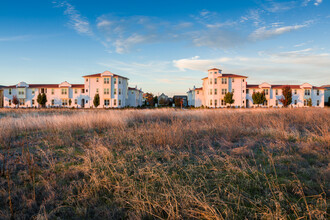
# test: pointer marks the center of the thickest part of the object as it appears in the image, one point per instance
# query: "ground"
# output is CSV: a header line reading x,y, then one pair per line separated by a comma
x,y
165,164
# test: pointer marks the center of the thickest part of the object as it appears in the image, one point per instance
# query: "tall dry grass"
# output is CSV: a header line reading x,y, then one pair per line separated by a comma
x,y
165,164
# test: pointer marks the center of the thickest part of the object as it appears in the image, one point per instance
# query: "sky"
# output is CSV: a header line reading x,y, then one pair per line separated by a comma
x,y
165,46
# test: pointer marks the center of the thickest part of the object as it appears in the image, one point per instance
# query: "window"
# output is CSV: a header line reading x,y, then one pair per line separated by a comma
x,y
119,81
317,92
247,91
318,103
86,80
75,91
233,90
119,102
64,91
21,101
210,91
215,92
215,102
9,102
223,91
254,90
276,92
305,102
53,101
52,91
243,80
307,92
132,92
86,90
9,91
243,90
76,101
106,102
224,80
210,81
97,79
86,101
119,91
115,102
32,101
210,101
33,91
295,92
215,81
64,102
266,91
115,91
114,80
266,102
223,102
97,90
106,91
232,80
42,90
20,92
295,102
276,102
82,90
197,92
106,81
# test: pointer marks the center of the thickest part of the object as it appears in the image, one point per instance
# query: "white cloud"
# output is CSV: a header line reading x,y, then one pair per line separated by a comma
x,y
123,45
318,2
264,33
76,21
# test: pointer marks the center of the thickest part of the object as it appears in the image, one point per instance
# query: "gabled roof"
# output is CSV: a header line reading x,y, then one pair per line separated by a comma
x,y
99,75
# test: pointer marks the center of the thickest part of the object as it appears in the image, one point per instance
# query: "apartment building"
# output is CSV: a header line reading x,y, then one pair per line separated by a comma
x,y
215,87
217,84
135,97
326,94
112,90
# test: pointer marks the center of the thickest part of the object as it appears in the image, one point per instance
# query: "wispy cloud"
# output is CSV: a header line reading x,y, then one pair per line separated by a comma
x,y
15,38
265,33
76,20
315,2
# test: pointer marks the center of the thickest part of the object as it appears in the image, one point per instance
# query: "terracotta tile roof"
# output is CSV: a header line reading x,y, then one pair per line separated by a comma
x,y
99,75
231,75
48,86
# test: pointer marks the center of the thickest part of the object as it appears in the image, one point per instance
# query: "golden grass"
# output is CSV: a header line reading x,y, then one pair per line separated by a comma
x,y
165,164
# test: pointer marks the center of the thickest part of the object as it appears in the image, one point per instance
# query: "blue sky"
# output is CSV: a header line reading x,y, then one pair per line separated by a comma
x,y
165,46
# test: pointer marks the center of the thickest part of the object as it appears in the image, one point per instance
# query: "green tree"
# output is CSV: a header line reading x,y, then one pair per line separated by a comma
x,y
15,100
96,100
229,98
259,98
42,99
286,99
309,102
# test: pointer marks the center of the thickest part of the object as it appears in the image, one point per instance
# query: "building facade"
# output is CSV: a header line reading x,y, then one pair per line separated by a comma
x,y
326,94
111,88
217,84
1,96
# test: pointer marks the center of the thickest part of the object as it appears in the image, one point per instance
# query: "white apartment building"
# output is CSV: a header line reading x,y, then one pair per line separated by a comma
x,y
112,89
135,97
217,84
300,95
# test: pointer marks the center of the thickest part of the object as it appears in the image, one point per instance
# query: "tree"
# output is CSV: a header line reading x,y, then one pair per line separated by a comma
x,y
15,100
258,98
70,102
149,99
286,99
309,102
155,99
229,98
96,100
178,102
164,101
42,99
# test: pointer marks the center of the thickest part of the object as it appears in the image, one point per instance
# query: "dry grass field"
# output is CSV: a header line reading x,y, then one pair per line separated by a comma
x,y
165,164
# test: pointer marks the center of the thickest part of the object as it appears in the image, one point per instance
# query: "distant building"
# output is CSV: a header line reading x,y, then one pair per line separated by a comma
x,y
163,100
184,98
217,84
326,94
112,89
